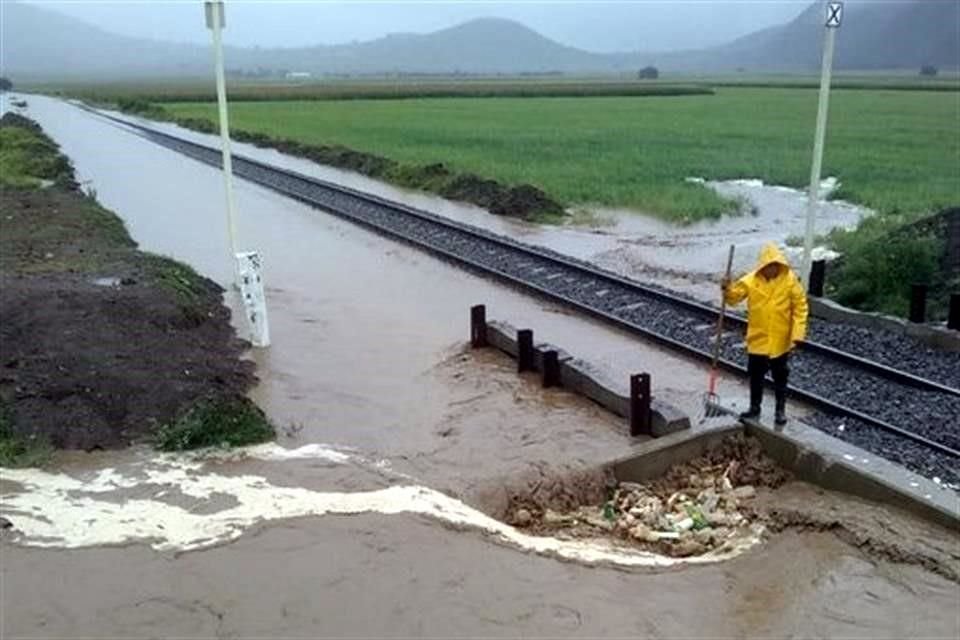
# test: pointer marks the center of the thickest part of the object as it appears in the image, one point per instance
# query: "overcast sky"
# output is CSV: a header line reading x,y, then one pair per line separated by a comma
x,y
596,26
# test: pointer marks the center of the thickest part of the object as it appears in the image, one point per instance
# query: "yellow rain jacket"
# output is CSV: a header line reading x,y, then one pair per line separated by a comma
x,y
776,309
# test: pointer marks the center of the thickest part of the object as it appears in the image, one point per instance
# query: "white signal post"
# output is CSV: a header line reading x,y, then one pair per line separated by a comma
x,y
216,23
246,265
834,16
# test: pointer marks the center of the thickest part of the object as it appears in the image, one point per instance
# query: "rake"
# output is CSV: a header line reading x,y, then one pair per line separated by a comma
x,y
711,401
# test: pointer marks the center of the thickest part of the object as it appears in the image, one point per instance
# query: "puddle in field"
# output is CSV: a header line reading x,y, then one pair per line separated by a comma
x,y
692,258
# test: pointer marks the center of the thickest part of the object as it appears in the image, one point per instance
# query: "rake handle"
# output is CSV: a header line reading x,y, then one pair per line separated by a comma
x,y
723,313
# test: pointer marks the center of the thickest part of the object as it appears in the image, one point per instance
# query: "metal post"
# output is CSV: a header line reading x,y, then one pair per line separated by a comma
x,y
818,273
833,18
953,318
216,22
551,369
640,404
247,276
918,303
524,350
478,326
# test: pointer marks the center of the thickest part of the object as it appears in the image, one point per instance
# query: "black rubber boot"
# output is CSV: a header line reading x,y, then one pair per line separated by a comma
x,y
780,373
780,418
752,414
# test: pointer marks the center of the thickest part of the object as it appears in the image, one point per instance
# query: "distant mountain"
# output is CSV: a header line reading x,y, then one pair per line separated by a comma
x,y
39,42
874,35
483,45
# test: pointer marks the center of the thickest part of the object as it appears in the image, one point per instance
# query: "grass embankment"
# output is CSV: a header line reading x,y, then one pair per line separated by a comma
x,y
92,364
28,159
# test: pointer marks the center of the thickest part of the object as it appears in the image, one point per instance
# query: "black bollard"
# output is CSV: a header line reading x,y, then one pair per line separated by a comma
x,y
551,369
953,319
818,272
918,303
525,350
478,326
640,404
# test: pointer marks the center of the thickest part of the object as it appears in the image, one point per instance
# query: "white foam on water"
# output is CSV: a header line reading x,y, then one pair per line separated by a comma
x,y
827,185
273,451
58,510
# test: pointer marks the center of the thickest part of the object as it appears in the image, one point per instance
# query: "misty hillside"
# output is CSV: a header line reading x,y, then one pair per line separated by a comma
x,y
484,45
46,43
42,43
874,35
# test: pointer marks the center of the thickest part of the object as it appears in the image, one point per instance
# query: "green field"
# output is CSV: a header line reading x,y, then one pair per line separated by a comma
x,y
895,151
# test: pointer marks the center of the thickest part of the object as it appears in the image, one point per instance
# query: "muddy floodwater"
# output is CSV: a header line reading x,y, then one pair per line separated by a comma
x,y
369,517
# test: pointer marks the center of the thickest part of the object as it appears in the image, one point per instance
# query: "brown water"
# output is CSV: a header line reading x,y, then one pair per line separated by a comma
x,y
373,576
368,358
359,323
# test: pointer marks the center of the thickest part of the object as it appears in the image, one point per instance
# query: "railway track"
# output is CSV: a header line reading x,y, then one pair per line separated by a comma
x,y
837,382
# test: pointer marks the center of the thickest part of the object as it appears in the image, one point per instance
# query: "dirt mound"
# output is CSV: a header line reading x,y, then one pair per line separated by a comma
x,y
547,489
708,503
488,194
90,366
521,201
526,200
11,119
100,343
697,506
741,459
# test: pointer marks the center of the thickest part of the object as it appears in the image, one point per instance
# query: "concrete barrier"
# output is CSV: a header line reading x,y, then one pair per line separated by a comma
x,y
589,381
652,459
939,337
818,458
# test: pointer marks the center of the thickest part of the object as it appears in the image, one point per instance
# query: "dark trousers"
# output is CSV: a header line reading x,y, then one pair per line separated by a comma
x,y
757,367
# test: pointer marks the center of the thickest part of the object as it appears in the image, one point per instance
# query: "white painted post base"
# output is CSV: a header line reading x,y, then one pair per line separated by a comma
x,y
249,266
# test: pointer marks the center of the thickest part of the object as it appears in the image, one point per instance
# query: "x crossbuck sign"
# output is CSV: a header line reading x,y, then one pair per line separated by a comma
x,y
834,14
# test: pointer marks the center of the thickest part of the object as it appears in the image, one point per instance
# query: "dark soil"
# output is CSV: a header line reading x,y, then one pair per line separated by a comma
x,y
91,365
11,119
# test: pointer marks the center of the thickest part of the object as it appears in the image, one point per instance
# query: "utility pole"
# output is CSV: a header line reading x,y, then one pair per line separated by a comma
x,y
246,265
834,17
216,22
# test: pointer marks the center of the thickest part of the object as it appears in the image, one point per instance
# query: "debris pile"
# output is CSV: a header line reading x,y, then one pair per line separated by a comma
x,y
696,507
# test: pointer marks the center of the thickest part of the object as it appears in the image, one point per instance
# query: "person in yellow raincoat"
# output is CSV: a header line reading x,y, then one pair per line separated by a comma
x,y
776,322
